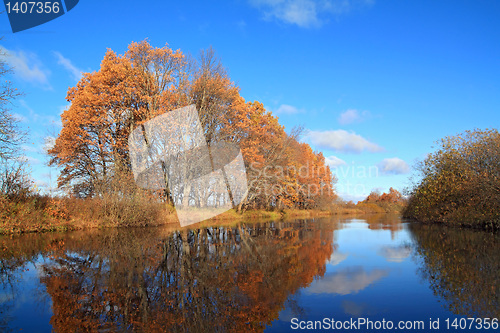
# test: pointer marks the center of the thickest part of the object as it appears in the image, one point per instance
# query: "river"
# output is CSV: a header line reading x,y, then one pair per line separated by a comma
x,y
360,274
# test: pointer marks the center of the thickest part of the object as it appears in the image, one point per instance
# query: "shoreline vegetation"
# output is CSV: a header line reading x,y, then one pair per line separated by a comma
x,y
459,184
45,214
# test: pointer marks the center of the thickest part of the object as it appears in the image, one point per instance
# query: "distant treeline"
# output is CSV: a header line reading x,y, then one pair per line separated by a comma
x,y
375,202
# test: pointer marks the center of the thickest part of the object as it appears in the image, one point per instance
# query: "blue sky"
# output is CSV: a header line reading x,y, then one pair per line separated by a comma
x,y
373,83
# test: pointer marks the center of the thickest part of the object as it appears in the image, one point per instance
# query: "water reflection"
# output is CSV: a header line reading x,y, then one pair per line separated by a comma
x,y
391,222
462,267
348,280
337,257
395,253
357,309
211,279
247,277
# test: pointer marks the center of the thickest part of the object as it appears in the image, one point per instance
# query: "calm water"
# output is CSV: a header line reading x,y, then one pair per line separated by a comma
x,y
268,277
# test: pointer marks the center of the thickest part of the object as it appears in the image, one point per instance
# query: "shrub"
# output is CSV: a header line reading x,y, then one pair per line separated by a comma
x,y
14,180
460,182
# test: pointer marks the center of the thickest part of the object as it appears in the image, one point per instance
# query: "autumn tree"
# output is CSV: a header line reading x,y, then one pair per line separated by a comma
x,y
394,196
376,202
264,145
460,182
106,105
282,173
14,178
10,133
132,89
374,196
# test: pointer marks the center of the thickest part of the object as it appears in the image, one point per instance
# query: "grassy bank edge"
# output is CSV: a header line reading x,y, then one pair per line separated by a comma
x,y
49,215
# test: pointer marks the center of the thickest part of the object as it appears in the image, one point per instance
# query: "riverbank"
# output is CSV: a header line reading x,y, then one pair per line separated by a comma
x,y
45,214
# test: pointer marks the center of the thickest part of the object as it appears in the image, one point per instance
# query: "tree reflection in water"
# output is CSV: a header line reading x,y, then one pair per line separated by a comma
x,y
238,277
462,266
211,279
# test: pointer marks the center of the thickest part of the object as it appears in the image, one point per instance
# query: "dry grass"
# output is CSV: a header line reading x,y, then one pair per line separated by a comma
x,y
42,213
31,215
39,214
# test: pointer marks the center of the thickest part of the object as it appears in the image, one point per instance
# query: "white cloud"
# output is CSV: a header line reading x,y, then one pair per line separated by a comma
x,y
353,308
337,257
394,166
287,109
395,253
27,66
47,175
27,107
303,13
334,161
41,183
306,13
29,159
33,160
75,72
19,117
352,116
347,281
342,141
48,144
28,148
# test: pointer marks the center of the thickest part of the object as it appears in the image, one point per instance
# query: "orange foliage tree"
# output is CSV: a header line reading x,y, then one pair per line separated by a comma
x,y
145,82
